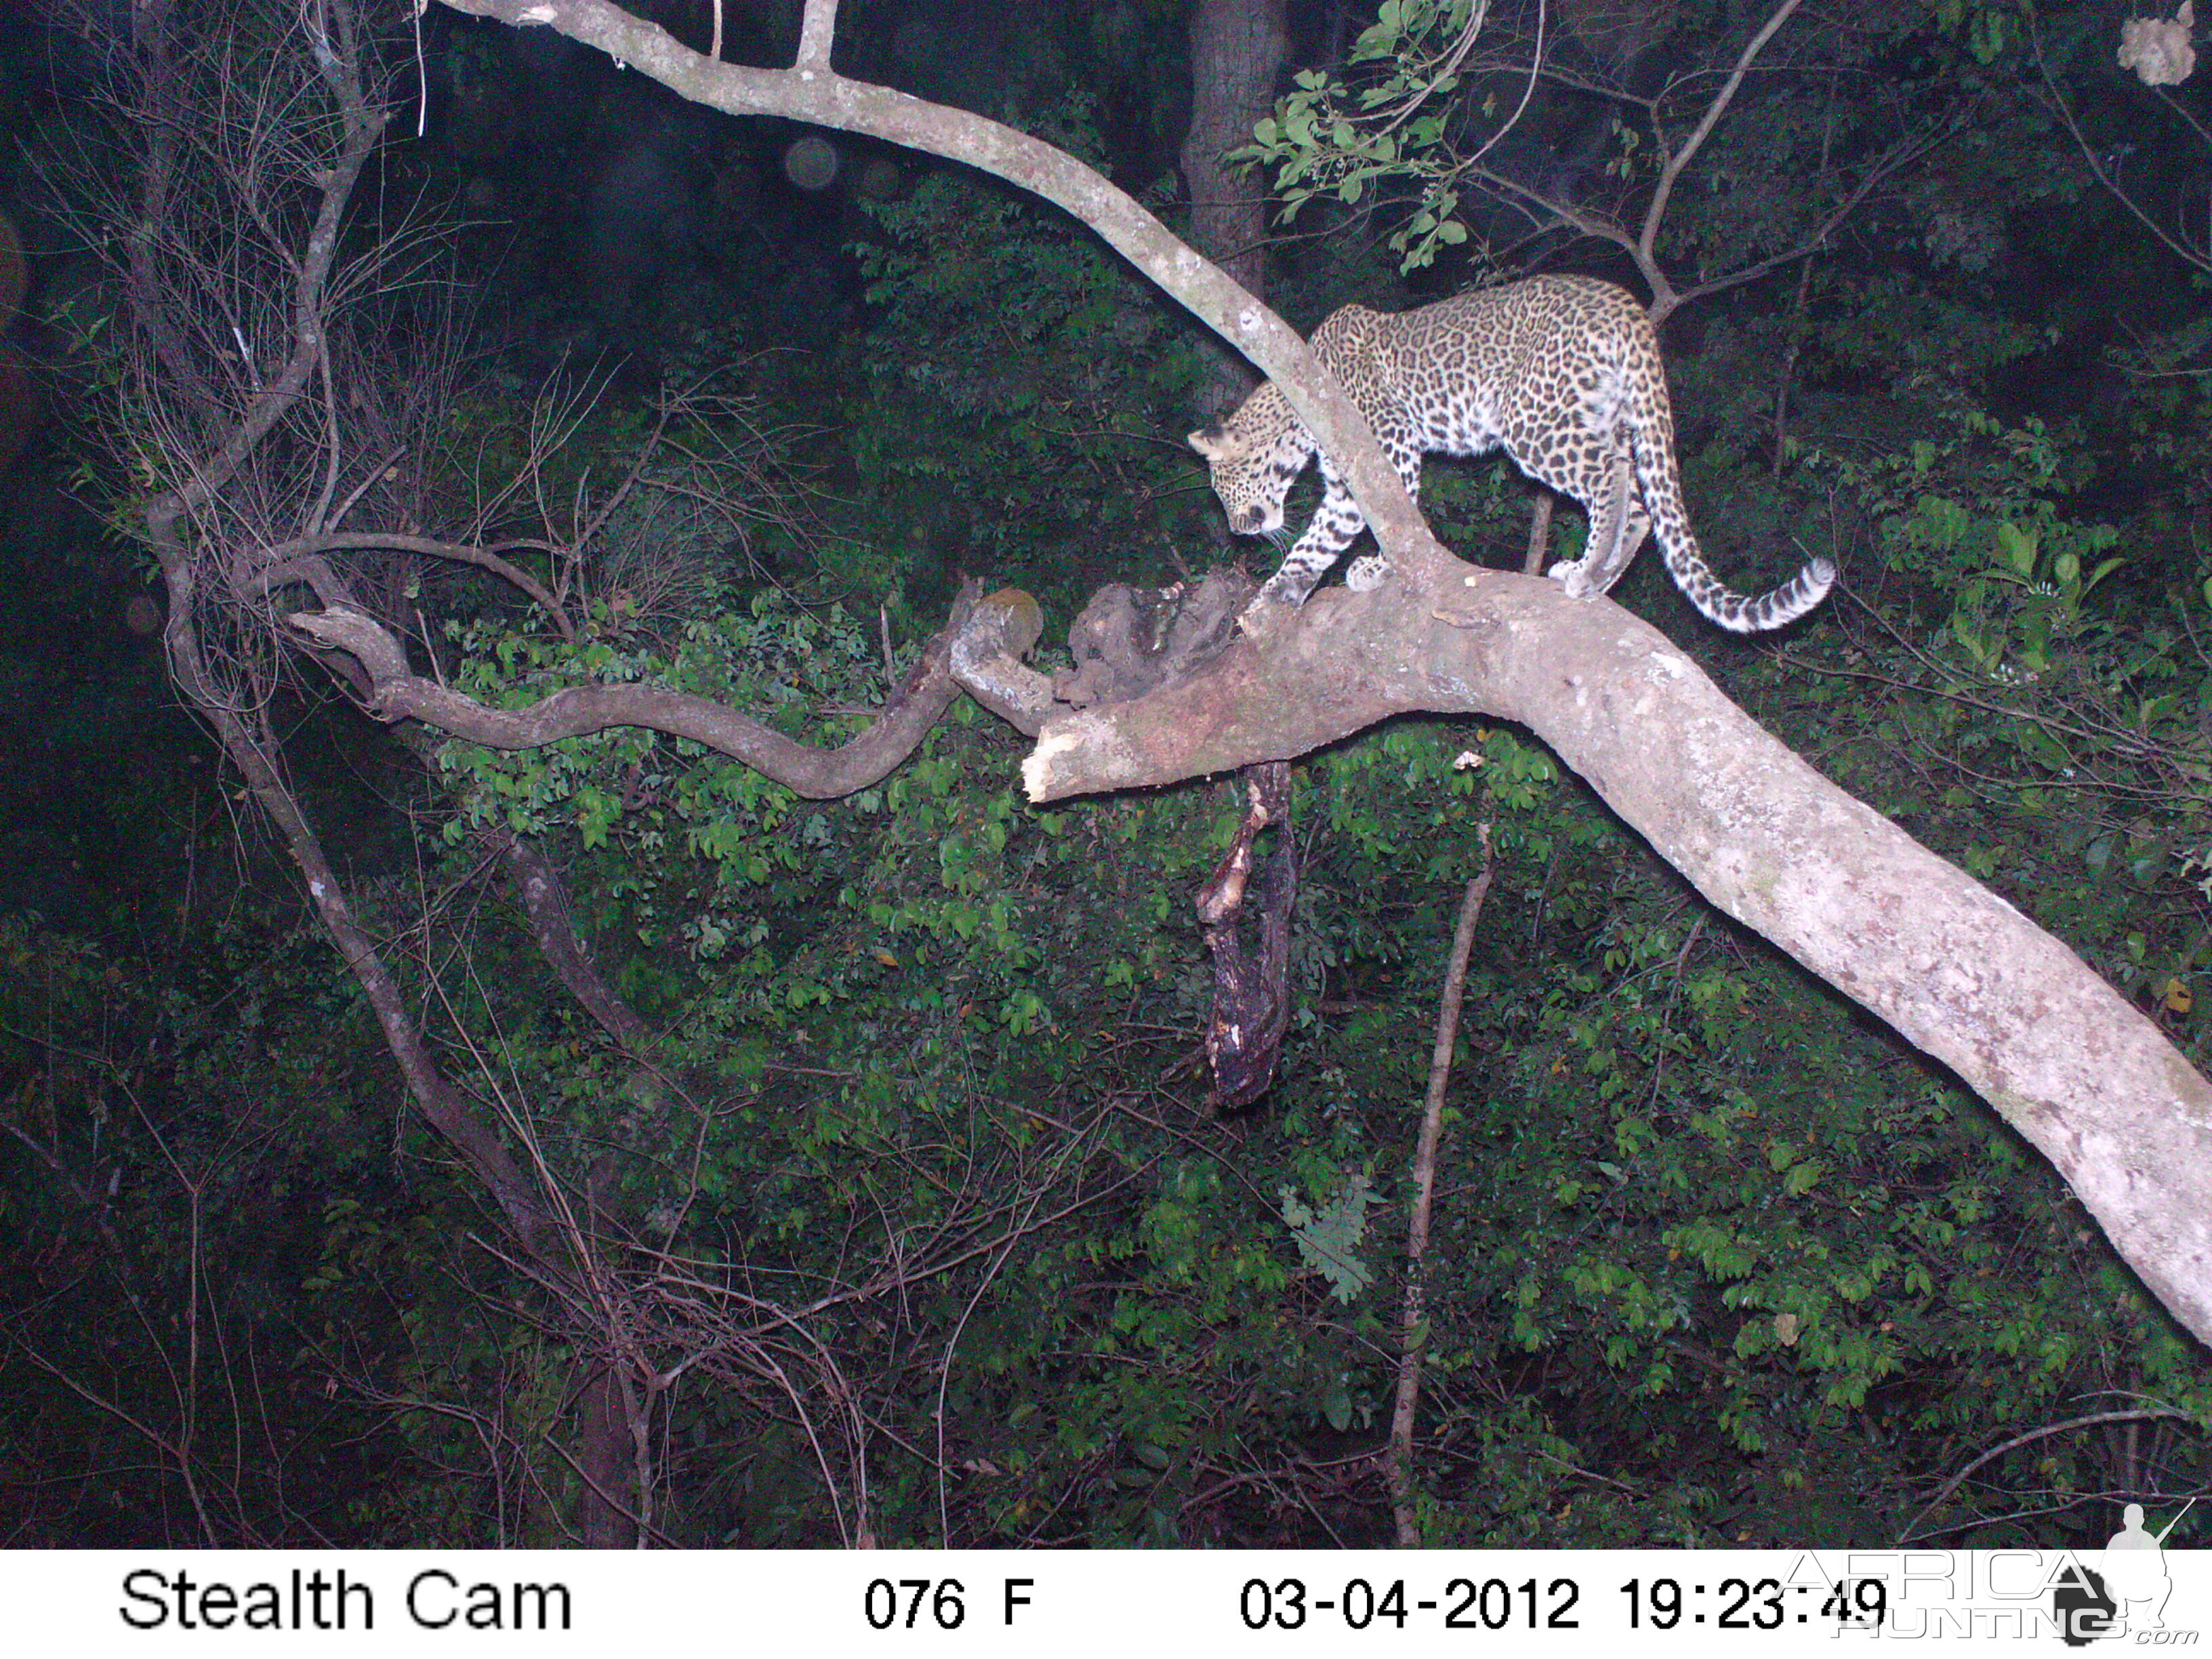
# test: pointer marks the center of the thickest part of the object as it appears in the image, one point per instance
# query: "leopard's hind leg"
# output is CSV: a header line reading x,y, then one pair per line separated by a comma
x,y
1598,470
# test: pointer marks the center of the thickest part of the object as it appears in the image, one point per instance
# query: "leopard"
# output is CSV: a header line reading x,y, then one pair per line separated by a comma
x,y
1563,372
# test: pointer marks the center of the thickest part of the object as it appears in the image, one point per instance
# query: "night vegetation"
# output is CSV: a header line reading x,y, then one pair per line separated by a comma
x,y
743,1115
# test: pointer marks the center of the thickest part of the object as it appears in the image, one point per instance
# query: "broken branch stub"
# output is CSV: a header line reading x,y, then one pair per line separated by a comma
x,y
1129,641
1251,989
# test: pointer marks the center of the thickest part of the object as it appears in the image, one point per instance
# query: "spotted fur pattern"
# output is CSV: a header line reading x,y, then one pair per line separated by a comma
x,y
1562,372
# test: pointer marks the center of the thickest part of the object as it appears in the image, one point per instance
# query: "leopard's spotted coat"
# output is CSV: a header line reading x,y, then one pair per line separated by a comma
x,y
1563,372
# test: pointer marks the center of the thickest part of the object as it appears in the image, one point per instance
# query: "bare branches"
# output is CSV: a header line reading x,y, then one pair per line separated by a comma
x,y
252,139
1349,140
2189,252
1671,170
286,563
251,378
1871,176
2140,1414
162,1370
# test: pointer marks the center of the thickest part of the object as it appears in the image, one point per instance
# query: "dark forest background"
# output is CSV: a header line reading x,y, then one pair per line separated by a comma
x,y
875,1192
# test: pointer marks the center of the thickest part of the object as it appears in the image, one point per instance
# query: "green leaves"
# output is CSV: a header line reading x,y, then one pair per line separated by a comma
x,y
1381,134
1988,29
1328,1238
1015,331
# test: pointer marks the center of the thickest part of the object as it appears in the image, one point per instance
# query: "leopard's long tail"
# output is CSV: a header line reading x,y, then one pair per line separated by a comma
x,y
1777,608
1660,483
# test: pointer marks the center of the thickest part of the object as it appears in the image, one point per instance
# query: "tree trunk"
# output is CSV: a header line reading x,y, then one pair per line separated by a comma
x,y
1237,48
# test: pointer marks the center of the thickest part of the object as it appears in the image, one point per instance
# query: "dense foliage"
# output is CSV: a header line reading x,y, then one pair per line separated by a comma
x,y
911,1208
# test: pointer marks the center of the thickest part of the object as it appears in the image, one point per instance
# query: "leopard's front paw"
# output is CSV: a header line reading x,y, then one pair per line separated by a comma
x,y
1366,574
1265,608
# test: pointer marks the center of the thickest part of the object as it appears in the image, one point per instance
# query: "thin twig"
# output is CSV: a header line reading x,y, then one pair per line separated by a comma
x,y
1398,1463
1539,533
1959,1480
1714,111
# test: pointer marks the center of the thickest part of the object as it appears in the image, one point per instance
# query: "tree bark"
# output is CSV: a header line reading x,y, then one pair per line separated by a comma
x,y
1237,48
997,625
545,903
1413,1313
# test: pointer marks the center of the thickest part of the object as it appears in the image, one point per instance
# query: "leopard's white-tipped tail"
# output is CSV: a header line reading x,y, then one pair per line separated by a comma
x,y
1778,609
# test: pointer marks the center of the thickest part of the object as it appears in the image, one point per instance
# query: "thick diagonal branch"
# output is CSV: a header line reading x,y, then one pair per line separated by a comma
x,y
1912,938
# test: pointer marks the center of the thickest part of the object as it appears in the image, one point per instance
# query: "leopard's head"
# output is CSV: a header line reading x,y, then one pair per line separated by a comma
x,y
1253,456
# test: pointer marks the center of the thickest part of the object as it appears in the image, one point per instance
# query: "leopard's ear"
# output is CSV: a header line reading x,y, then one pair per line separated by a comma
x,y
1211,442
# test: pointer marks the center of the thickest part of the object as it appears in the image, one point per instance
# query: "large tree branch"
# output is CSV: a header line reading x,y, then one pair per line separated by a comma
x,y
397,693
812,92
1953,967
448,1109
545,903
